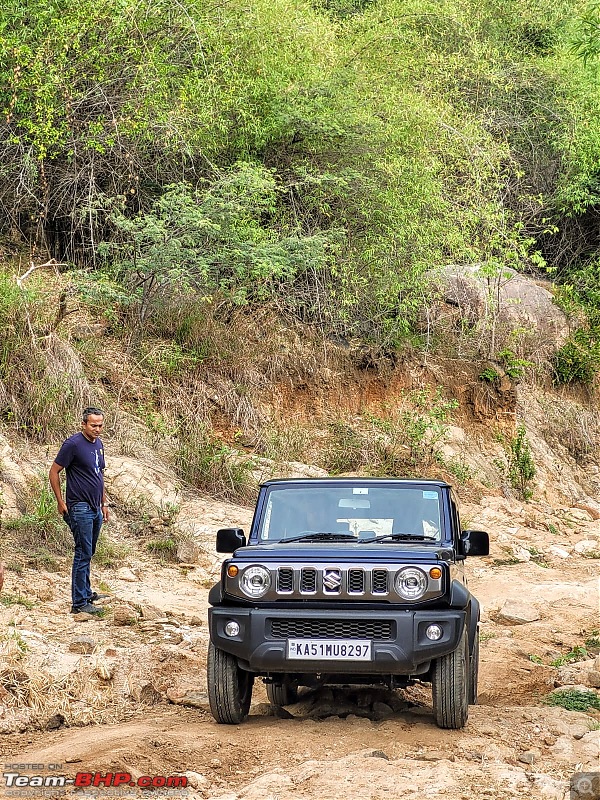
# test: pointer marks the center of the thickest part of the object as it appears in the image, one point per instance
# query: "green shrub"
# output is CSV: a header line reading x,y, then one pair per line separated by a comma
x,y
205,462
520,466
346,449
41,378
489,374
408,438
165,547
461,471
378,140
513,365
40,530
578,360
109,553
9,599
574,700
206,241
284,442
426,424
577,653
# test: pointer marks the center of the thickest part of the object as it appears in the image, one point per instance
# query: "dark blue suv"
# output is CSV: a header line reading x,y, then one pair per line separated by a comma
x,y
346,580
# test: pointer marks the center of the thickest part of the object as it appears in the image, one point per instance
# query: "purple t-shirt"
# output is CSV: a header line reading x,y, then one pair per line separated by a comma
x,y
84,464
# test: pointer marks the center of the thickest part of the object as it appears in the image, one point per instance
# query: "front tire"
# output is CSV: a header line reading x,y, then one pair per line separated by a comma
x,y
229,687
474,671
450,687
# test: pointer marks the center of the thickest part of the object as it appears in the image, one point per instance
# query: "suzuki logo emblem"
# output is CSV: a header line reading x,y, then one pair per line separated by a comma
x,y
332,579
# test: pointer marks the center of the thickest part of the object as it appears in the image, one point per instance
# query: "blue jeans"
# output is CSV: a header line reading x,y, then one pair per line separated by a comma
x,y
85,523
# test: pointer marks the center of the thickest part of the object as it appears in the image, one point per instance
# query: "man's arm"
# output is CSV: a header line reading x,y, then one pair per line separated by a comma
x,y
105,513
55,471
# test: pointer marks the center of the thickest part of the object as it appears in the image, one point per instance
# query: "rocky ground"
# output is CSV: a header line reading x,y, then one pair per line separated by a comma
x,y
128,692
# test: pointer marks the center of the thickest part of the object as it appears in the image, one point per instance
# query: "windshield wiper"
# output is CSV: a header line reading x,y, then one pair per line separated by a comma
x,y
319,536
398,537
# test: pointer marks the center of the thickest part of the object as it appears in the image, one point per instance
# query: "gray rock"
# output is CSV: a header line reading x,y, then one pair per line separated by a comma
x,y
528,757
188,697
124,615
591,506
55,722
435,755
145,693
591,678
83,617
82,644
189,551
382,710
558,552
125,574
587,546
137,483
517,613
376,754
196,780
517,302
150,612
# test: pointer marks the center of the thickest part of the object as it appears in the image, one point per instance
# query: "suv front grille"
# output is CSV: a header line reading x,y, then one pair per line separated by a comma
x,y
308,580
343,581
285,580
380,581
356,581
331,629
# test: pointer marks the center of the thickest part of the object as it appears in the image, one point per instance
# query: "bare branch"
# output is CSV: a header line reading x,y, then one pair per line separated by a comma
x,y
53,263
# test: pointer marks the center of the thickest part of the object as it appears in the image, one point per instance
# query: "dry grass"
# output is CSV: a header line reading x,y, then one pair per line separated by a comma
x,y
42,380
39,529
81,698
569,425
284,441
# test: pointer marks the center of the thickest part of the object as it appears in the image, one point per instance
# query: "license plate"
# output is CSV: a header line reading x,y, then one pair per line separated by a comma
x,y
329,649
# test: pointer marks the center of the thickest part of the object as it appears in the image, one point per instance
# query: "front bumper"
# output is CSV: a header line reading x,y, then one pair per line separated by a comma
x,y
405,651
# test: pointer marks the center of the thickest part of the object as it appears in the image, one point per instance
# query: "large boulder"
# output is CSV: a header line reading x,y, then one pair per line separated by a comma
x,y
133,482
508,301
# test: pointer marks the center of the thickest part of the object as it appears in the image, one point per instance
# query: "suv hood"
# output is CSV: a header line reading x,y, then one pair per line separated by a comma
x,y
344,551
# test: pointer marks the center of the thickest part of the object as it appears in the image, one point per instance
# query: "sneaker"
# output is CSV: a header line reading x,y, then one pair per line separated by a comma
x,y
86,608
98,596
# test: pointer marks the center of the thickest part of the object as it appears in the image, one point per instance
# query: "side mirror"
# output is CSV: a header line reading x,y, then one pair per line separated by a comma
x,y
474,543
229,539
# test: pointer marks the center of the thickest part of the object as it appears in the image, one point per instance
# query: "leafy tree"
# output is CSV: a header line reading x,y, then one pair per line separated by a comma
x,y
211,241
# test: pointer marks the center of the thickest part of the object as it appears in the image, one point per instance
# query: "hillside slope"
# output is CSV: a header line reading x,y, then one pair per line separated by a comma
x,y
139,671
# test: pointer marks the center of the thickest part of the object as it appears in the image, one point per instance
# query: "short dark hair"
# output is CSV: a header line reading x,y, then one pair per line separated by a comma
x,y
91,410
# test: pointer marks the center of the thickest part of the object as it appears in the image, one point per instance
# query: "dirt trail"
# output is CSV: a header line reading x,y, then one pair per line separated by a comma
x,y
514,746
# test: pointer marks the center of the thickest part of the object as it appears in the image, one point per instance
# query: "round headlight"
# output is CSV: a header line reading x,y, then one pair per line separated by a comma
x,y
255,581
411,583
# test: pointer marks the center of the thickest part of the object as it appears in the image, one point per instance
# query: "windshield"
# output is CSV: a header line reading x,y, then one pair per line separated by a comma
x,y
336,513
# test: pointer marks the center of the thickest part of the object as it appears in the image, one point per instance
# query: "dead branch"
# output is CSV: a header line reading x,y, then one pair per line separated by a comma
x,y
53,263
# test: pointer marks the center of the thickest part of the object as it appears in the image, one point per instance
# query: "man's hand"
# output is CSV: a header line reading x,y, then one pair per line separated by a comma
x,y
105,514
54,476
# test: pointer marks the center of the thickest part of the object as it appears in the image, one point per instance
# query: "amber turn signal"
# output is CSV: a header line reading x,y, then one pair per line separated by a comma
x,y
435,573
232,570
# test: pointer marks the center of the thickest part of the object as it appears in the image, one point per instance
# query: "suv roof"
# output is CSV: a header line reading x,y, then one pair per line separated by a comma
x,y
346,479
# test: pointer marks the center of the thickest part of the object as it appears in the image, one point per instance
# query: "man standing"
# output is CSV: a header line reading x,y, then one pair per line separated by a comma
x,y
85,506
